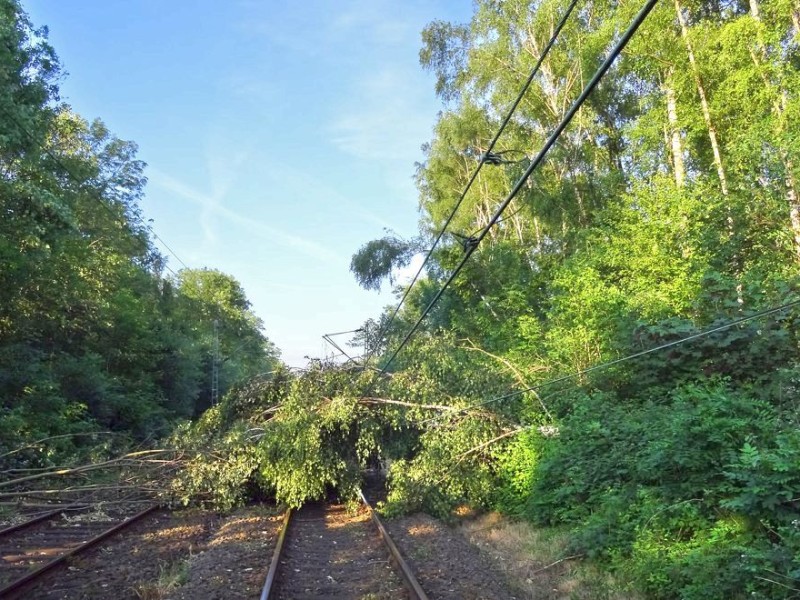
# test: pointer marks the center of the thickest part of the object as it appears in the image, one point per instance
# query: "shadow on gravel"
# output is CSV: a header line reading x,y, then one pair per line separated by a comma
x,y
447,566
235,560
332,553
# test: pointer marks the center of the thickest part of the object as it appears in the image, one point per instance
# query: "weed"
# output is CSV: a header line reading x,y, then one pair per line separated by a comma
x,y
171,576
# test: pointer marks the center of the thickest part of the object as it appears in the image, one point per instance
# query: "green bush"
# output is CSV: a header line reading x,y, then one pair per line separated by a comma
x,y
694,494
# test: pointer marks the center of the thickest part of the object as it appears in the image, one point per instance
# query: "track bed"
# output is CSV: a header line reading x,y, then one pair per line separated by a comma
x,y
331,553
133,564
45,544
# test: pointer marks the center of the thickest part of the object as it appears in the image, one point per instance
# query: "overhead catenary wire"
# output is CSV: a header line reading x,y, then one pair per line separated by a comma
x,y
93,196
360,329
170,250
170,269
483,159
535,162
327,338
689,338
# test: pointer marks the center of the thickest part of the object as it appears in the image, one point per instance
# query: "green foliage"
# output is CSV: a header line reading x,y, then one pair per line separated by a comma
x,y
668,207
376,260
516,466
299,438
443,53
291,438
675,489
92,336
765,482
440,476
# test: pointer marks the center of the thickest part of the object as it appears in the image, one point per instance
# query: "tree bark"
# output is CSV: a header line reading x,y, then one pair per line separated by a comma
x,y
538,232
84,468
486,444
794,217
712,136
676,148
373,400
712,132
779,108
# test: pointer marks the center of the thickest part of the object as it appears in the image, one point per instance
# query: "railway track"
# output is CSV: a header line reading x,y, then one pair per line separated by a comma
x,y
34,547
324,552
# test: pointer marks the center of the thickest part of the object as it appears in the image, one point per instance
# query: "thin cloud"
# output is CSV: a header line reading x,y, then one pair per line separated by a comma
x,y
391,120
298,179
214,207
375,19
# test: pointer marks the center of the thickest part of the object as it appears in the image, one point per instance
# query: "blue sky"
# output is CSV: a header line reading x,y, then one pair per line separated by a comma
x,y
280,136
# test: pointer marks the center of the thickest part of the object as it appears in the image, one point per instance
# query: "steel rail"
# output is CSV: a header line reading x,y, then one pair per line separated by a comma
x,y
62,508
276,556
409,579
33,575
38,519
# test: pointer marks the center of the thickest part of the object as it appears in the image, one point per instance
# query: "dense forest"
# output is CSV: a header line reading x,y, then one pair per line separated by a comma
x,y
619,357
95,334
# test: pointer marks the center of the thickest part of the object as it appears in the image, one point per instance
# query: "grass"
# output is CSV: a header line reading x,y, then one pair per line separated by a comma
x,y
171,577
535,561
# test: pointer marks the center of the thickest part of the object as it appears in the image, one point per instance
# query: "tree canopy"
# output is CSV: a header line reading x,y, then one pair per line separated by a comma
x,y
667,209
618,358
93,334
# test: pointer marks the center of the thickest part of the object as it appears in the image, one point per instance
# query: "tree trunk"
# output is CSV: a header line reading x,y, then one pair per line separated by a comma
x,y
519,227
794,217
712,132
676,146
779,108
712,136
